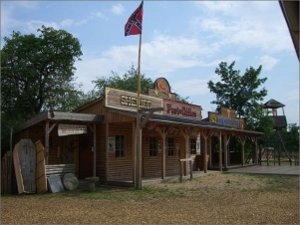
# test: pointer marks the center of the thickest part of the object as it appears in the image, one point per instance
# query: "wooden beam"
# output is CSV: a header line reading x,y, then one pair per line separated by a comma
x,y
220,151
210,152
205,154
185,133
52,127
256,151
106,124
94,149
164,163
242,140
225,152
226,155
47,141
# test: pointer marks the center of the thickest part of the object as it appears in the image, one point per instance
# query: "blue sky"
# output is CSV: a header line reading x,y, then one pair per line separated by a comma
x,y
183,41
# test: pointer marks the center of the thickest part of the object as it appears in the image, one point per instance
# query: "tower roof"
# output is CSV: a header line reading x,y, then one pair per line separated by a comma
x,y
273,104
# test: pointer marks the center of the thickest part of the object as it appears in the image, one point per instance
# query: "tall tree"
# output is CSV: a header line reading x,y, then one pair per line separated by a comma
x,y
35,71
126,82
242,93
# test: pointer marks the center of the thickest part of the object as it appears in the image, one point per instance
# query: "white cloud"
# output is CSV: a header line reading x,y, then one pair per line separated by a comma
x,y
9,21
217,6
191,87
234,23
117,9
268,62
162,55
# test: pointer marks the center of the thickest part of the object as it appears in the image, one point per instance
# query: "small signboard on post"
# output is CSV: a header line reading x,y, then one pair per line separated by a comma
x,y
71,129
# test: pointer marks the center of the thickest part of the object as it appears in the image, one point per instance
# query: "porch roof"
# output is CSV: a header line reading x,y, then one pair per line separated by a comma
x,y
190,122
60,117
200,124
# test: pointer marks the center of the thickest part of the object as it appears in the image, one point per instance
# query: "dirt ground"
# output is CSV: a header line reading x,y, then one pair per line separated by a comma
x,y
213,199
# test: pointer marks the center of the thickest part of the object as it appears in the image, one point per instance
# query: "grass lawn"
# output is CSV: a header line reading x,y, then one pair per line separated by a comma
x,y
218,198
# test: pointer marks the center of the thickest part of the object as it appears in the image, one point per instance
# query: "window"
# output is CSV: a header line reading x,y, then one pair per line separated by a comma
x,y
171,147
153,146
193,144
119,146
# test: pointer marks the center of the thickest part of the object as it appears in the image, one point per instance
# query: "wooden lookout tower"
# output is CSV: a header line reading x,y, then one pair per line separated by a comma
x,y
279,121
279,124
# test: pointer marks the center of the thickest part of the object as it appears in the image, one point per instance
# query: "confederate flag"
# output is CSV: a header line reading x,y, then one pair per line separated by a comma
x,y
134,23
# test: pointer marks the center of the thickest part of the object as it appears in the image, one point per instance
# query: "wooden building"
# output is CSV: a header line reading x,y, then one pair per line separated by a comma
x,y
99,137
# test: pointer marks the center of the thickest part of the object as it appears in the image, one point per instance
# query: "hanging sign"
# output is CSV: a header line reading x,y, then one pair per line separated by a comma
x,y
71,129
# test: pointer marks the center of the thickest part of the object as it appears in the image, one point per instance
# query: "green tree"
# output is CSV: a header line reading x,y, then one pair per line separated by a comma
x,y
36,73
126,82
240,92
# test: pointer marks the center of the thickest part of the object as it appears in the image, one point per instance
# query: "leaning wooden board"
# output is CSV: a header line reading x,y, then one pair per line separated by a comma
x,y
41,179
24,157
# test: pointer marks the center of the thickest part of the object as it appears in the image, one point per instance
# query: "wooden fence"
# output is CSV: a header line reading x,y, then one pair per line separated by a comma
x,y
6,170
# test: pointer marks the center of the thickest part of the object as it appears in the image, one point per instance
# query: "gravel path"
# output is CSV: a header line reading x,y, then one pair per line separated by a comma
x,y
214,199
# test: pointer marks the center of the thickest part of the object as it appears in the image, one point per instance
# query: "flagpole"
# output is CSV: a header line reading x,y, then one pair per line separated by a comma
x,y
139,72
138,167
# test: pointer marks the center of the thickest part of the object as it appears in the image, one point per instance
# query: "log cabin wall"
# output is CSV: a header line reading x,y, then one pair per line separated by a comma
x,y
172,161
152,164
101,153
34,133
120,168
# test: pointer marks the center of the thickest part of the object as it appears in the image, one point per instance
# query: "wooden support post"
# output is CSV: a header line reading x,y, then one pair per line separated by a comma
x,y
106,124
191,169
274,156
187,145
94,149
10,162
220,151
47,142
134,152
205,153
225,152
260,156
181,170
256,151
242,141
164,134
138,182
279,150
267,155
210,153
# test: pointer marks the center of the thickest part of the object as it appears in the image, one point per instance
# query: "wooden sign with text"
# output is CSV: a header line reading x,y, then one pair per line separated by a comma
x,y
126,100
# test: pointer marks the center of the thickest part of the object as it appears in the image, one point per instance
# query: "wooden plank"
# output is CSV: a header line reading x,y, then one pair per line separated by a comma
x,y
18,172
47,142
41,179
220,151
24,155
